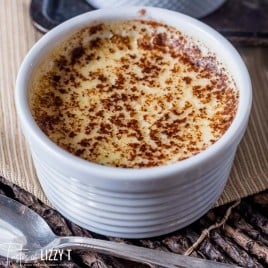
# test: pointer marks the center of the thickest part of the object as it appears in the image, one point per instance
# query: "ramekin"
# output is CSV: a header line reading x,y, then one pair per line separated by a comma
x,y
194,8
133,203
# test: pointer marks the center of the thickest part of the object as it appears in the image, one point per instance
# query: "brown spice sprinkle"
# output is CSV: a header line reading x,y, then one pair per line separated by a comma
x,y
133,94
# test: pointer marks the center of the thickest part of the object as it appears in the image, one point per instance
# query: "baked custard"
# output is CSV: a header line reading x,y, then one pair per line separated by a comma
x,y
133,94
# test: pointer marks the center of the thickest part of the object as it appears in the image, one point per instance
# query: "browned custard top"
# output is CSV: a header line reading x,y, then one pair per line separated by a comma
x,y
133,94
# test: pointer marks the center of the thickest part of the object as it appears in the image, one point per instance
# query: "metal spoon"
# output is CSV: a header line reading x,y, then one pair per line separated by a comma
x,y
26,237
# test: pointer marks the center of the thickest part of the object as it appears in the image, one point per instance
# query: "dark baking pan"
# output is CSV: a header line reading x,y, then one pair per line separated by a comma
x,y
241,21
47,14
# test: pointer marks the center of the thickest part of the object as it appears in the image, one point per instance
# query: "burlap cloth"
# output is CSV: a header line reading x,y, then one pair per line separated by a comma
x,y
17,35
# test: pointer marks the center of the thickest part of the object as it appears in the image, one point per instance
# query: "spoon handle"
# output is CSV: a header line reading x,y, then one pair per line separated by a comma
x,y
134,253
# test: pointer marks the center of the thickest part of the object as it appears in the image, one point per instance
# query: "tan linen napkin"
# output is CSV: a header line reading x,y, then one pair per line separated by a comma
x,y
17,35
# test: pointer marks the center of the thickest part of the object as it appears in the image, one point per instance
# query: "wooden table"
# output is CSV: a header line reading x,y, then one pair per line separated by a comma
x,y
240,235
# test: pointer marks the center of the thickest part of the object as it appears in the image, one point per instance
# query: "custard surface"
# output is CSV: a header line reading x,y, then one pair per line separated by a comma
x,y
132,94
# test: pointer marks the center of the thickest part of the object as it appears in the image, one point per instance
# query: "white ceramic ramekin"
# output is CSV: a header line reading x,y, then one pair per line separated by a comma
x,y
133,203
194,8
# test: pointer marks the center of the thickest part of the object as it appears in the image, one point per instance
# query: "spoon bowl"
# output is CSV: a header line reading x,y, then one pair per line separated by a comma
x,y
21,228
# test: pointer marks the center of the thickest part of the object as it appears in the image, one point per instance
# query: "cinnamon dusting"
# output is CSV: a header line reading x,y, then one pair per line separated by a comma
x,y
133,94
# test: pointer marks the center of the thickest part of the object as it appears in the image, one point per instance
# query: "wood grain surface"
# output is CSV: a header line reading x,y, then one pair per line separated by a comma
x,y
239,236
17,35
